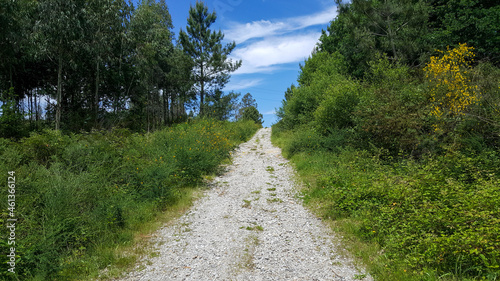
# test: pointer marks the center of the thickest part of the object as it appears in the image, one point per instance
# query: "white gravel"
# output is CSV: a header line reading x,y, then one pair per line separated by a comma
x,y
248,226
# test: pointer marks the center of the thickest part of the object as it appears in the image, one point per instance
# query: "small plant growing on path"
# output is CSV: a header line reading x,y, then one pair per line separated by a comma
x,y
247,204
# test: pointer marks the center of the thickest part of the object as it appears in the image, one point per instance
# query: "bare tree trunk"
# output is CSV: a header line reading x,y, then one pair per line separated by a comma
x,y
165,108
59,93
96,95
202,90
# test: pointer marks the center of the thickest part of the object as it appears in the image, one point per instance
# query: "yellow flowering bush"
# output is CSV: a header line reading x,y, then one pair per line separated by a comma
x,y
452,91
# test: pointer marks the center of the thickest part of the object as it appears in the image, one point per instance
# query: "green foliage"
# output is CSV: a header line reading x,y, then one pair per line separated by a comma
x,y
253,114
336,110
364,29
222,107
212,67
433,217
318,79
77,193
473,22
369,151
11,120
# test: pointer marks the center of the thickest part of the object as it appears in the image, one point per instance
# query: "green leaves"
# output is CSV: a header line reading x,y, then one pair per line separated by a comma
x,y
212,67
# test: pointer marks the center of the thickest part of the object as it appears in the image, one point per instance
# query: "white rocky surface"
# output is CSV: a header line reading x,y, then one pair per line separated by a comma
x,y
248,226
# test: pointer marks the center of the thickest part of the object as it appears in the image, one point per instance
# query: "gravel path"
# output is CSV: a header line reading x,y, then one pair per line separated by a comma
x,y
249,226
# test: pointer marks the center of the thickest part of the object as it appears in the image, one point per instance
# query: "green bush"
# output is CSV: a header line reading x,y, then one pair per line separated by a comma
x,y
77,192
434,217
336,110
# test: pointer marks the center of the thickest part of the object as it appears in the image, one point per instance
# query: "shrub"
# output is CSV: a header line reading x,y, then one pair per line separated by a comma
x,y
336,110
77,192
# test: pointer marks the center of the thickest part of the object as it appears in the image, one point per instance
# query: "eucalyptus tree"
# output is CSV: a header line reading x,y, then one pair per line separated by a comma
x,y
152,37
105,32
59,30
177,87
8,36
15,49
212,65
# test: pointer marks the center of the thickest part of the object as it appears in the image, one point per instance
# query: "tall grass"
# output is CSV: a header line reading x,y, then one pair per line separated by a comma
x,y
80,194
432,219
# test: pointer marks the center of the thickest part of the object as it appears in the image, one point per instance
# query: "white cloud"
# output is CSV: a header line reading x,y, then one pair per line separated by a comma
x,y
323,17
267,54
265,28
257,29
243,84
272,112
265,45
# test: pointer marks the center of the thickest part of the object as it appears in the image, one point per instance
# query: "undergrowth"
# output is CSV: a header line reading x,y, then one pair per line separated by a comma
x,y
79,196
432,219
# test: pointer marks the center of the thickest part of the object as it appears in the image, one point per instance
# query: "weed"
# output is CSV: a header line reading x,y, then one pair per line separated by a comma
x,y
258,228
359,276
274,200
270,169
246,204
85,195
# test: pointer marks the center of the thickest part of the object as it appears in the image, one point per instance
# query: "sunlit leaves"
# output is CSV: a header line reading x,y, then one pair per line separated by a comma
x,y
452,91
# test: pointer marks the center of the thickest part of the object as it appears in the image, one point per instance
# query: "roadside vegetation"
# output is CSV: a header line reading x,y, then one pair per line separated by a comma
x,y
108,126
80,196
398,143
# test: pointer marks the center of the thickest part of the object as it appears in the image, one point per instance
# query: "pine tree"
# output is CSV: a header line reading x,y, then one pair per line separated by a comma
x,y
212,65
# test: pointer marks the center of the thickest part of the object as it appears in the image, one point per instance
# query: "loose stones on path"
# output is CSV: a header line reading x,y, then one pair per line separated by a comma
x,y
249,226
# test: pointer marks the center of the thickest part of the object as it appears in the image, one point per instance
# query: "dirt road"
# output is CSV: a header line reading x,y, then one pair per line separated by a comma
x,y
249,226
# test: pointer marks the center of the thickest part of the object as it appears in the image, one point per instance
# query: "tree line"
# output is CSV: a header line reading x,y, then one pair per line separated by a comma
x,y
80,65
395,122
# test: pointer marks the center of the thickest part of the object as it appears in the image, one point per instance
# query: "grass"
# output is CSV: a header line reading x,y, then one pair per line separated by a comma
x,y
127,255
433,219
247,203
248,256
274,200
257,228
86,199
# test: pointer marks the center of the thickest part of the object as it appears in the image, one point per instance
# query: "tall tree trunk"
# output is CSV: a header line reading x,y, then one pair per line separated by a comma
x,y
165,108
59,93
96,95
36,107
202,90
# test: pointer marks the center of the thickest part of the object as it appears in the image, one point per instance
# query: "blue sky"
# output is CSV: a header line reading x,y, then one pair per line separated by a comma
x,y
272,38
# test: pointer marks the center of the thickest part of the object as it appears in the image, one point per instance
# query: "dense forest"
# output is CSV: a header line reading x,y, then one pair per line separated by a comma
x,y
394,124
81,65
96,144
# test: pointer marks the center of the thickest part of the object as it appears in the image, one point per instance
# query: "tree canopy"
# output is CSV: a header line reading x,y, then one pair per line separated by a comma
x,y
81,65
212,65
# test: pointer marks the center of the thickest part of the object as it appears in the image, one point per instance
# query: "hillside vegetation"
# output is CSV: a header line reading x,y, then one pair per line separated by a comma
x,y
80,196
395,128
